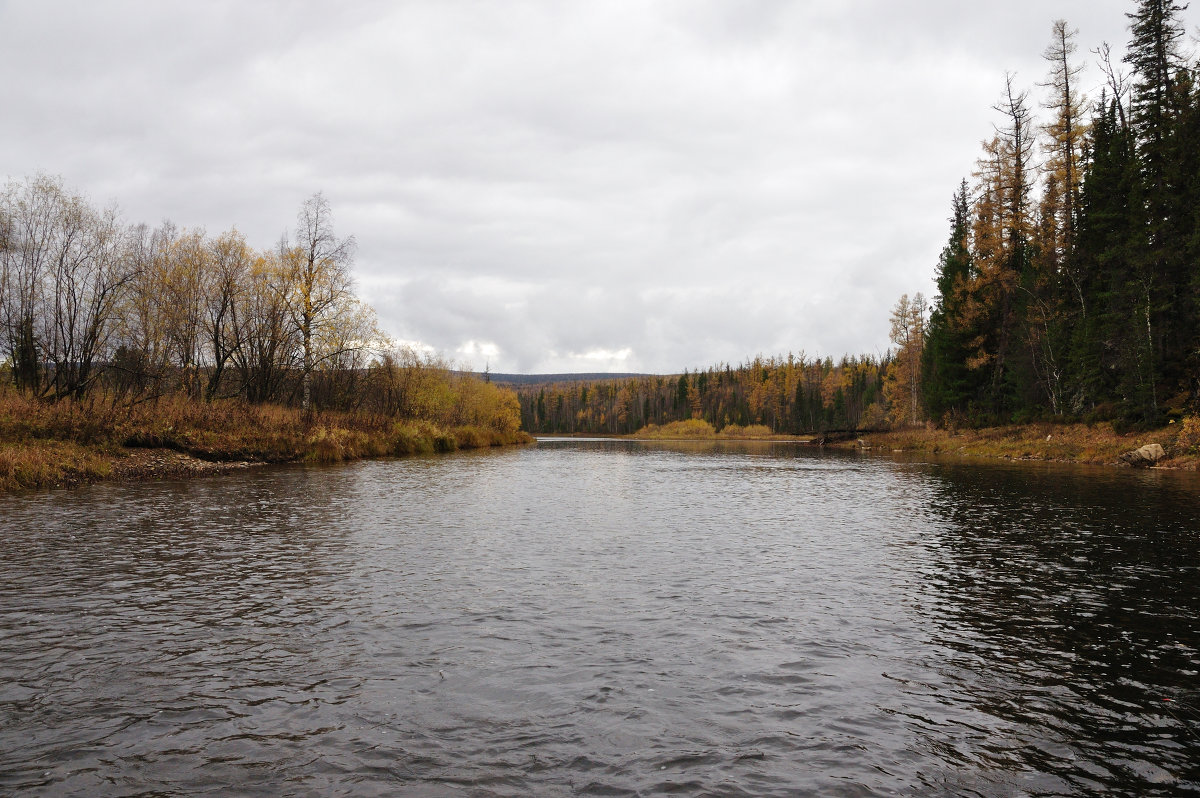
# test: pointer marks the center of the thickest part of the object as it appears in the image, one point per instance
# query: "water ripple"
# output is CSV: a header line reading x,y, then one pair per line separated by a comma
x,y
601,618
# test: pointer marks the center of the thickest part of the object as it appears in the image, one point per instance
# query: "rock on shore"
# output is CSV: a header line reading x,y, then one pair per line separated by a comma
x,y
1144,456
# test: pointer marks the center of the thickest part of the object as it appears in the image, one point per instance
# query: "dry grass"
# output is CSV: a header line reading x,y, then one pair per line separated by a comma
x,y
1079,443
36,464
691,429
753,431
46,444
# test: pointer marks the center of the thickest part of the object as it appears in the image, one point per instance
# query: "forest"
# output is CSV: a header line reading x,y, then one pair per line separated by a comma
x,y
1068,288
1069,285
788,395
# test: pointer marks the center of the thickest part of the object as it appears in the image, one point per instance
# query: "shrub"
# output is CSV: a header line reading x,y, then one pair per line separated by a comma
x,y
472,437
691,428
1187,440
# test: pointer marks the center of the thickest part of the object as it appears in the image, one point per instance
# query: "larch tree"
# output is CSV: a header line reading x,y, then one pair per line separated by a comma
x,y
1001,233
1051,285
1066,135
902,386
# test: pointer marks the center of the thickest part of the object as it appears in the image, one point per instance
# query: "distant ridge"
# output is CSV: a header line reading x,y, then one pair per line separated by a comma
x,y
538,379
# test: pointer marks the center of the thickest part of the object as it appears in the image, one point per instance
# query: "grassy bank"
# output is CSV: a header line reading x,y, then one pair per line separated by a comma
x,y
45,444
1077,443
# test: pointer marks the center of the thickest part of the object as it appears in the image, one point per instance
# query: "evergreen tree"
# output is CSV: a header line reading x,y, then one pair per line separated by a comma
x,y
1103,360
948,384
1160,263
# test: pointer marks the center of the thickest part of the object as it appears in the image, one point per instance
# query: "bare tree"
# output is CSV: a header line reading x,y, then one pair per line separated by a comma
x,y
1118,82
90,275
1017,143
31,208
319,286
63,277
266,342
142,361
225,282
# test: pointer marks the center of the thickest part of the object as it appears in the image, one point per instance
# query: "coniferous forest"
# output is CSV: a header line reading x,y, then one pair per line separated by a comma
x,y
1068,288
789,395
1069,284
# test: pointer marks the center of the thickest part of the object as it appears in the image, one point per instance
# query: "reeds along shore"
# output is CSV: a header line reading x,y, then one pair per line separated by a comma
x,y
69,442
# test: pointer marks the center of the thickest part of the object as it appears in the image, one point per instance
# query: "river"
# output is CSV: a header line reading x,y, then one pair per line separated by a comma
x,y
606,618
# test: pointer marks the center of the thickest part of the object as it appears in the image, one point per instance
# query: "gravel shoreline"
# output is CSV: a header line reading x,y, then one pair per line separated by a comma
x,y
151,464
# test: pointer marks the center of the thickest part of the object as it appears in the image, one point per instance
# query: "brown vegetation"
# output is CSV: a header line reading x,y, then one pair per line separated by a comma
x,y
699,429
1079,443
68,442
751,432
690,429
116,338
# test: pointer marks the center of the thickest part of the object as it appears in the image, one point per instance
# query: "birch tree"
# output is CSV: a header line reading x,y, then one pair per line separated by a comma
x,y
319,289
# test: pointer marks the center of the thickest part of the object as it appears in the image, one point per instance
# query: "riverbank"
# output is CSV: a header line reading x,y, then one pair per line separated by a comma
x,y
1098,444
698,430
65,444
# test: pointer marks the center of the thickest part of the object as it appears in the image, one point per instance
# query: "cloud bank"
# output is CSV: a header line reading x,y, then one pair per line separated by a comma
x,y
540,186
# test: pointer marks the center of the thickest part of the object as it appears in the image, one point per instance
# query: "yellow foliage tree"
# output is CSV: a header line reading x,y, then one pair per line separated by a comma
x,y
902,385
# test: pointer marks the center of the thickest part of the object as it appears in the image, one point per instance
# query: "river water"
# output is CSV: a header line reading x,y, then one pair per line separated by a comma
x,y
606,618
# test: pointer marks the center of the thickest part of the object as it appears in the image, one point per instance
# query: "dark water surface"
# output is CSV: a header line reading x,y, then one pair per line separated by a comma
x,y
606,618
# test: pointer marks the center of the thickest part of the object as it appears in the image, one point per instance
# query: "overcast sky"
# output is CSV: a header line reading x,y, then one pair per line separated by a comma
x,y
547,186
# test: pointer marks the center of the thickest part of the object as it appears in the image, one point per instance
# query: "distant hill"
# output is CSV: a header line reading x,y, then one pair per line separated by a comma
x,y
547,379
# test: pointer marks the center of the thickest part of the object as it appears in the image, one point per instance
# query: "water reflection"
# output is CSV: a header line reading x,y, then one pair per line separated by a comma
x,y
1066,599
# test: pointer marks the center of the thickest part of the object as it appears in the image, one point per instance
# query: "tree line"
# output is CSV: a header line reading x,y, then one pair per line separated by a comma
x,y
1069,286
93,307
789,395
88,301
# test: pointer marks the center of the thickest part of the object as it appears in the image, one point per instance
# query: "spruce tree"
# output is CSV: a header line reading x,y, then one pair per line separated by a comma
x,y
1160,265
947,382
1103,363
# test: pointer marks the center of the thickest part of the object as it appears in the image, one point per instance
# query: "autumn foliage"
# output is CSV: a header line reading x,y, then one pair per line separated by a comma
x,y
117,335
779,395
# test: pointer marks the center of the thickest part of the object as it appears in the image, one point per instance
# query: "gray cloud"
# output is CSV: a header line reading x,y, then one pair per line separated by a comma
x,y
550,186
